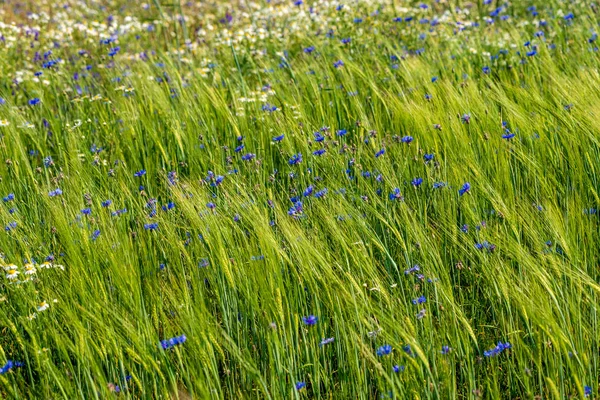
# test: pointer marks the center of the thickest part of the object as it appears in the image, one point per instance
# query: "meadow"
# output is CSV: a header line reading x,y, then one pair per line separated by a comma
x,y
294,199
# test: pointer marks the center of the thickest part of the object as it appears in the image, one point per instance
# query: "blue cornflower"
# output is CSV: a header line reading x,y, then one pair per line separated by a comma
x,y
417,182
55,192
384,350
106,203
395,195
398,368
342,132
203,263
318,137
140,173
446,349
309,49
9,197
587,390
419,300
309,320
319,152
170,343
151,227
486,70
465,188
569,16
466,118
239,148
34,101
428,157
346,40
296,159
48,161
278,138
86,211
508,135
308,191
10,365
95,234
248,156
338,63
407,139
379,153
326,341
500,347
300,385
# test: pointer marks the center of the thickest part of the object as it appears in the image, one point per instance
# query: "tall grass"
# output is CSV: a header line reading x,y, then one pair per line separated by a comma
x,y
232,267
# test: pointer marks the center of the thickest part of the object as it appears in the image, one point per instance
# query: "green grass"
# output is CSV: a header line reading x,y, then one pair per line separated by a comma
x,y
237,279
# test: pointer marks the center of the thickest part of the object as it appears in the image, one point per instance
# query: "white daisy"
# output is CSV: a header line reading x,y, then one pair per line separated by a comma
x,y
43,306
29,269
12,274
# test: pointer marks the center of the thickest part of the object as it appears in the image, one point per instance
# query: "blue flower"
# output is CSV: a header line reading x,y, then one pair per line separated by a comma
x,y
86,211
34,101
587,391
446,349
466,118
95,235
248,156
278,138
508,135
384,350
55,192
140,173
342,132
419,300
319,152
398,368
170,343
465,188
338,64
295,159
428,157
486,70
417,182
500,347
395,195
407,139
326,341
309,320
9,197
300,385
151,227
379,153
10,365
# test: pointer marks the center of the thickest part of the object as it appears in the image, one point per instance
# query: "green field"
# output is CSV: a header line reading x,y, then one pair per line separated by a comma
x,y
285,199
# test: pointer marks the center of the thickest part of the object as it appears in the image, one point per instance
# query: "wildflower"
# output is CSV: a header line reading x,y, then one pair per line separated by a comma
x,y
398,368
48,161
465,188
170,343
309,320
319,152
419,300
417,182
86,211
466,118
407,139
384,350
295,159
10,365
326,341
428,157
248,157
151,227
12,274
338,64
43,306
379,153
587,390
140,173
278,138
421,314
508,135
106,203
395,195
446,350
203,263
29,269
500,347
412,269
34,101
95,235
300,385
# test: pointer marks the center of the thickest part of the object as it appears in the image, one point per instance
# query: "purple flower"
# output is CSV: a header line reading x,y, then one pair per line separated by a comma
x,y
300,385
140,173
309,320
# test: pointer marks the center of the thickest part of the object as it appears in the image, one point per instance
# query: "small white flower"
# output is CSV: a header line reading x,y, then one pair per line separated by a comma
x,y
12,274
29,269
43,306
